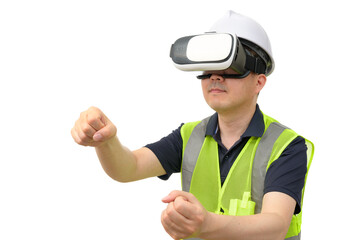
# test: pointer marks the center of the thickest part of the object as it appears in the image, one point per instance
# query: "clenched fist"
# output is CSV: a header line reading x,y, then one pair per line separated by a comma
x,y
184,216
93,128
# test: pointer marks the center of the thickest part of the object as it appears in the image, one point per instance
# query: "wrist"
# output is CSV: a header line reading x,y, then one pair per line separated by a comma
x,y
208,225
108,143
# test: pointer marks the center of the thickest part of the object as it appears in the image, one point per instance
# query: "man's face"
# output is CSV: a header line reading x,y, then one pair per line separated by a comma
x,y
230,94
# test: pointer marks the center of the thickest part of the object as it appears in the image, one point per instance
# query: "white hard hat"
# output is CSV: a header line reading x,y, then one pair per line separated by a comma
x,y
246,28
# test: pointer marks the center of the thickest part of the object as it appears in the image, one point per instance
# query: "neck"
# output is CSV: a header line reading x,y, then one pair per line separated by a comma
x,y
232,125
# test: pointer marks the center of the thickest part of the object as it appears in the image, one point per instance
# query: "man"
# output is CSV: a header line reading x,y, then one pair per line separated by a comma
x,y
243,173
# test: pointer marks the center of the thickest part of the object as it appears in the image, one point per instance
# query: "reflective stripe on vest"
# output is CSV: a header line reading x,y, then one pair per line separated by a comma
x,y
192,149
260,163
261,160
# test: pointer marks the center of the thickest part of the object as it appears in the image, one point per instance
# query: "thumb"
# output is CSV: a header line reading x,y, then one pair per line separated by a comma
x,y
175,194
105,133
170,198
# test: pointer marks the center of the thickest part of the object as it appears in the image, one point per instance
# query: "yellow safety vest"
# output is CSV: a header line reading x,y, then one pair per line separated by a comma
x,y
243,189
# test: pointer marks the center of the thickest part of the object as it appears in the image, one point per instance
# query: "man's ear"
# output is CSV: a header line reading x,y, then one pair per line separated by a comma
x,y
260,82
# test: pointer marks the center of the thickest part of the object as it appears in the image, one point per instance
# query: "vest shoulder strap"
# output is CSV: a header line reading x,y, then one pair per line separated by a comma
x,y
261,159
191,150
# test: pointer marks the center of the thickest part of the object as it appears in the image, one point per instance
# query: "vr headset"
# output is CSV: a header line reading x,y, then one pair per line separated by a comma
x,y
214,51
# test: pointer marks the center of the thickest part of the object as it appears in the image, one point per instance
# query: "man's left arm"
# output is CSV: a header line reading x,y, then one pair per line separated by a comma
x,y
186,217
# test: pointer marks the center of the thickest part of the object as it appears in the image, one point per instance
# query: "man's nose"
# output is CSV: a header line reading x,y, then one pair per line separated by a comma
x,y
217,77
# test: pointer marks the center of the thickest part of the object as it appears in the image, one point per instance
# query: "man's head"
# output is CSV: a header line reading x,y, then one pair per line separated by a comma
x,y
235,58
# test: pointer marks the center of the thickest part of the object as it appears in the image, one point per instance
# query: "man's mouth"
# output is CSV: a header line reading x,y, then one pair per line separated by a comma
x,y
216,90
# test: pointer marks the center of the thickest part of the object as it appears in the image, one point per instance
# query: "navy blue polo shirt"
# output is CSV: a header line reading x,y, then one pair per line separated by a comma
x,y
286,174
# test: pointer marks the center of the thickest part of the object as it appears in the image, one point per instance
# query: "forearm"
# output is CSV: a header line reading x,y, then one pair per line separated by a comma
x,y
94,129
259,226
117,160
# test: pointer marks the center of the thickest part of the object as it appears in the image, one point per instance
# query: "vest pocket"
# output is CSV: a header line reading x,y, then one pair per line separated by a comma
x,y
242,207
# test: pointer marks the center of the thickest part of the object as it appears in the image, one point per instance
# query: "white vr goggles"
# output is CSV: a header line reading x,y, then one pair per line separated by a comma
x,y
214,51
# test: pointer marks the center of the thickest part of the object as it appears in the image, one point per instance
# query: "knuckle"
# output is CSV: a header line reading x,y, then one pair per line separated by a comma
x,y
177,236
92,114
75,136
92,118
190,229
79,141
174,192
82,142
82,114
87,129
83,139
178,206
165,216
170,214
93,109
199,218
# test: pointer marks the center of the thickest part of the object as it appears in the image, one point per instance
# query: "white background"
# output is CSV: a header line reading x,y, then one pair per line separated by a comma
x,y
57,58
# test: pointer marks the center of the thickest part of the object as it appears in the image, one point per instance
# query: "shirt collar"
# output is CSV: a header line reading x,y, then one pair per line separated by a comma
x,y
255,129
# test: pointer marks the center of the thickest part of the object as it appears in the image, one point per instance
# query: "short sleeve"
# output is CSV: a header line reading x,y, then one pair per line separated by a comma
x,y
287,173
169,152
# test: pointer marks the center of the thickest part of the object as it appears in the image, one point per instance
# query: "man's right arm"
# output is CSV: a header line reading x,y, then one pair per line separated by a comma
x,y
94,129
